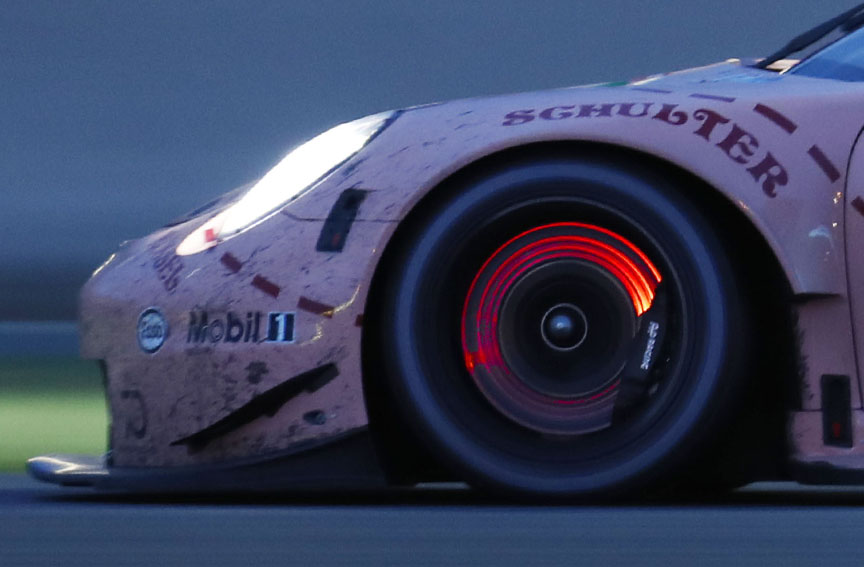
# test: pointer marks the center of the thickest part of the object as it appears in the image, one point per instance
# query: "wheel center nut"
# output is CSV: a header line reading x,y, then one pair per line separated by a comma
x,y
564,327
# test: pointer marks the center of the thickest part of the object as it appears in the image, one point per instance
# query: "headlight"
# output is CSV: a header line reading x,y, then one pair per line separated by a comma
x,y
297,171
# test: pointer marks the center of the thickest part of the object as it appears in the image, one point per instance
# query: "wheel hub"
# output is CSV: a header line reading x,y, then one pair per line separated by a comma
x,y
564,327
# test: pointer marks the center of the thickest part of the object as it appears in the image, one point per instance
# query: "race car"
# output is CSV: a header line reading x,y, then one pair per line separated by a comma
x,y
614,289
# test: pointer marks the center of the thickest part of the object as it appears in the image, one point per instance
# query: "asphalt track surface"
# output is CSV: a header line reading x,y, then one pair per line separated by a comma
x,y
767,524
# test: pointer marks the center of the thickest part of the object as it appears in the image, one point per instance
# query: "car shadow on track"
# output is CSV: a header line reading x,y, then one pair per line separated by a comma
x,y
458,495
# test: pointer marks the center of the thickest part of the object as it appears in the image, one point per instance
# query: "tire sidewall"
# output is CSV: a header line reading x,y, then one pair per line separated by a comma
x,y
678,229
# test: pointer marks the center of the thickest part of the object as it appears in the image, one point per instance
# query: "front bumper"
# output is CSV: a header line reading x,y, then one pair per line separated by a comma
x,y
259,347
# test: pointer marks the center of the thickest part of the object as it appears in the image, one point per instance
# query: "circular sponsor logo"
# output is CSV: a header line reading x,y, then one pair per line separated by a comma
x,y
152,330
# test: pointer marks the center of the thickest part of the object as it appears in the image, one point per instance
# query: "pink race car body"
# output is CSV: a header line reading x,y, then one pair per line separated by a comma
x,y
226,351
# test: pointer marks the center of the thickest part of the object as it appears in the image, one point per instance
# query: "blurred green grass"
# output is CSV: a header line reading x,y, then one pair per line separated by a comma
x,y
50,405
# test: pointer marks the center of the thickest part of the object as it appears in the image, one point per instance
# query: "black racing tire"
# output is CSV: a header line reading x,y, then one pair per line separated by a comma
x,y
521,387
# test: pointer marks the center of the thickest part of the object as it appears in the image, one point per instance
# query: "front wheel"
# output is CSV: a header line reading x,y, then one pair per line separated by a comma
x,y
563,327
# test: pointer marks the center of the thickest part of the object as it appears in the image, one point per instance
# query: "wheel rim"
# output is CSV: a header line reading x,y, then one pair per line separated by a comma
x,y
550,321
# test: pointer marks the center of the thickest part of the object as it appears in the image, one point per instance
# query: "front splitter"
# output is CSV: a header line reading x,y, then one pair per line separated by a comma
x,y
347,464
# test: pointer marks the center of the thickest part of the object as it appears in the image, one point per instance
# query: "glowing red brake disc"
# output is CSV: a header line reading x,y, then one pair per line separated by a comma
x,y
573,264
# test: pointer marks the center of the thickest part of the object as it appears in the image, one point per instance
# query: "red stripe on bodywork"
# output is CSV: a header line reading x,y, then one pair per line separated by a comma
x,y
776,118
315,307
266,286
824,163
713,97
650,90
231,262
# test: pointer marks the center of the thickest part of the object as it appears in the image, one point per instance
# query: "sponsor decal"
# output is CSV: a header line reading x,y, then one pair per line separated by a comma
x,y
653,328
152,330
707,125
167,265
249,327
135,413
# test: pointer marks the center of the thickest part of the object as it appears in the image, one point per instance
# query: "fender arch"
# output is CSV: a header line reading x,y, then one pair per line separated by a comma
x,y
755,256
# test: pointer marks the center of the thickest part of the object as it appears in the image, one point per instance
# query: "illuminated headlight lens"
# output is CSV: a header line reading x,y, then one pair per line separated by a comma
x,y
297,171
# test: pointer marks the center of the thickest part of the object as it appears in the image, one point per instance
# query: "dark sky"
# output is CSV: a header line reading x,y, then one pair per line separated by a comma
x,y
118,115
